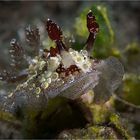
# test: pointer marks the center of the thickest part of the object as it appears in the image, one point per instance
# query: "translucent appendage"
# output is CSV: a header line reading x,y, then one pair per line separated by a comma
x,y
74,88
110,78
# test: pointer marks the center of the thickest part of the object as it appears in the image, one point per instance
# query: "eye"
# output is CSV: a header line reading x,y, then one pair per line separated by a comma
x,y
60,69
72,69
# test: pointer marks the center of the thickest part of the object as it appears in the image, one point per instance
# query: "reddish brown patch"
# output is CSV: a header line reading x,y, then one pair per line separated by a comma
x,y
93,28
55,33
53,52
92,25
53,30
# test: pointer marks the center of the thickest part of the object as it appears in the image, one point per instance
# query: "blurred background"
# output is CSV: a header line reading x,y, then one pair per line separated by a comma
x,y
119,36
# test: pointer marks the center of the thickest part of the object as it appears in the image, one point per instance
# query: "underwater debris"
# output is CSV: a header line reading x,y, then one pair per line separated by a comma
x,y
62,71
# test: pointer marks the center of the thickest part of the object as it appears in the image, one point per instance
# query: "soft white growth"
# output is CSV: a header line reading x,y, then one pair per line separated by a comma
x,y
53,63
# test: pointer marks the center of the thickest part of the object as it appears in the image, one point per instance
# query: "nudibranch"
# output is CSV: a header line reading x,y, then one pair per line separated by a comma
x,y
63,71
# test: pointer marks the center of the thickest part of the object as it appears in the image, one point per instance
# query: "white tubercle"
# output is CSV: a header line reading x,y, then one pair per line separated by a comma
x,y
81,60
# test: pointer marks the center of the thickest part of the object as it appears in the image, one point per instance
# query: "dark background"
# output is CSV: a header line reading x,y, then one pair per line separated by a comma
x,y
17,15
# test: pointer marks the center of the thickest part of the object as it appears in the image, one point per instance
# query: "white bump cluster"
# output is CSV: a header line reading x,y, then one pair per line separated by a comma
x,y
81,59
36,63
53,63
47,78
